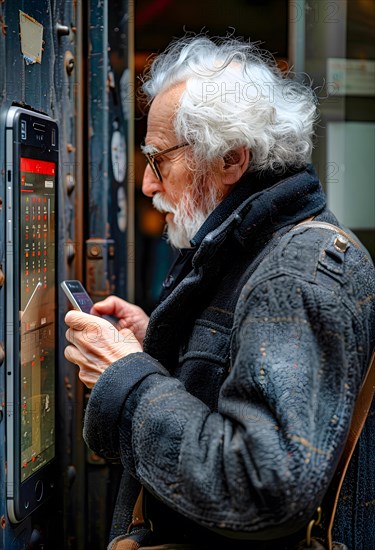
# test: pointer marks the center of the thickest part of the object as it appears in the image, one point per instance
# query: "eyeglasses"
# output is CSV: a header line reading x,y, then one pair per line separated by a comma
x,y
151,158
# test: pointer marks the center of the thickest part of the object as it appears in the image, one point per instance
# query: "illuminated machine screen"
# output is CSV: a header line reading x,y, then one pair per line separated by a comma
x,y
37,314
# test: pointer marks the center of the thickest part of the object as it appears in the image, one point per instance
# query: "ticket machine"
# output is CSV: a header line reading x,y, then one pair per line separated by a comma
x,y
64,166
31,144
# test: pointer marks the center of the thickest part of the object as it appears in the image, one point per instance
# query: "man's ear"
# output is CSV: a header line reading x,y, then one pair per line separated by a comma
x,y
234,165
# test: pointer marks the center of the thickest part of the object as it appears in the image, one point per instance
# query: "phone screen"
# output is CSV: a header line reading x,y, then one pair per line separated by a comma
x,y
84,301
77,295
37,314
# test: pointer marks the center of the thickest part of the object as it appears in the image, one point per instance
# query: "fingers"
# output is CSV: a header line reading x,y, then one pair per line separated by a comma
x,y
88,379
96,344
91,326
86,331
79,320
73,355
78,337
87,374
91,329
129,316
111,306
97,339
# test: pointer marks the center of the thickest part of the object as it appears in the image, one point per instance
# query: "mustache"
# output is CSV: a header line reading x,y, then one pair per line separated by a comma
x,y
162,204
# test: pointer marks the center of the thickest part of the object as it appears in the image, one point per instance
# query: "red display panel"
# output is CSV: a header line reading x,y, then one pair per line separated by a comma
x,y
37,166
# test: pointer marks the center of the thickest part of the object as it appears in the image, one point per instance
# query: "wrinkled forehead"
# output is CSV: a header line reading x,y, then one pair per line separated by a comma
x,y
160,121
168,99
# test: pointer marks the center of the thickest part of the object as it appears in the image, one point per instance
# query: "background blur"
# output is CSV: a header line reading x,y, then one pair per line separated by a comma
x,y
334,43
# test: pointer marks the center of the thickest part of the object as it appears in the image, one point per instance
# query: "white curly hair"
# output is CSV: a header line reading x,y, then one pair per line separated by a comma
x,y
235,96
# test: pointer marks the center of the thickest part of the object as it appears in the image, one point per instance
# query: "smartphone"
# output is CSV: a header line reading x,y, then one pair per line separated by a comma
x,y
77,295
31,144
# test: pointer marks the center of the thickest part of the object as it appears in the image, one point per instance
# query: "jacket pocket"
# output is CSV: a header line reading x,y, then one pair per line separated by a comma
x,y
204,361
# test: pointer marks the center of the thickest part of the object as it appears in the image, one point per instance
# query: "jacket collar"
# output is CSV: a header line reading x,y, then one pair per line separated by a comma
x,y
259,205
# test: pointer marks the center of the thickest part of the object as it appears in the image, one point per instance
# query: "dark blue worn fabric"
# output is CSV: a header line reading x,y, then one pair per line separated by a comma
x,y
235,415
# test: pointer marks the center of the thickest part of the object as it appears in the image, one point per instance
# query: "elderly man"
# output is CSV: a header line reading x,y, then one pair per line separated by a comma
x,y
231,405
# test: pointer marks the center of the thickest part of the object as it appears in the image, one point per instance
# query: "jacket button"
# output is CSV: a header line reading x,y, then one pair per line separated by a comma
x,y
168,282
341,243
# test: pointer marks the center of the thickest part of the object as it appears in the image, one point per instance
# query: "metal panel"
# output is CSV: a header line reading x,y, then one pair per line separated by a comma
x,y
84,82
48,87
109,114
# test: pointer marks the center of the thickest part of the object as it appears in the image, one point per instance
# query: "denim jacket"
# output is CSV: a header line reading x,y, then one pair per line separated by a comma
x,y
234,416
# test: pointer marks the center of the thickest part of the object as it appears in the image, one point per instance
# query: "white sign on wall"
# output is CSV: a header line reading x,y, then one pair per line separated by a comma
x,y
351,173
354,77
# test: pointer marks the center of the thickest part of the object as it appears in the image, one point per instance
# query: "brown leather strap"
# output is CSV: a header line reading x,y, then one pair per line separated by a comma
x,y
361,410
138,518
325,225
124,544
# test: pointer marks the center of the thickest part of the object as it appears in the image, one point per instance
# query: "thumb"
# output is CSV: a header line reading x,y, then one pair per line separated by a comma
x,y
113,305
104,306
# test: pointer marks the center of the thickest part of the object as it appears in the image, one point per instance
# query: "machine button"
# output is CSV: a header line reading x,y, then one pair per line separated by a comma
x,y
39,490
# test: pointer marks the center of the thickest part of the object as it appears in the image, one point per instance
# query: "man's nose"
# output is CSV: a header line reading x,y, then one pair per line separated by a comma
x,y
150,184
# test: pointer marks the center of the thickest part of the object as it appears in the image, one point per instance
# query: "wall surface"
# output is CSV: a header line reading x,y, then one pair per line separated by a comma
x,y
81,81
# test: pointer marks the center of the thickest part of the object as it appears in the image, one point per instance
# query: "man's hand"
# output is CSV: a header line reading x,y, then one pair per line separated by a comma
x,y
129,316
96,344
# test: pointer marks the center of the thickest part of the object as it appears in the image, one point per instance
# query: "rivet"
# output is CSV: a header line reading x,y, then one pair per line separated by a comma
x,y
70,148
95,458
62,30
341,243
70,252
95,250
69,183
69,62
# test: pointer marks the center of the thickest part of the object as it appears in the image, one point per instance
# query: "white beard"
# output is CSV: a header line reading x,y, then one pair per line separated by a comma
x,y
182,227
